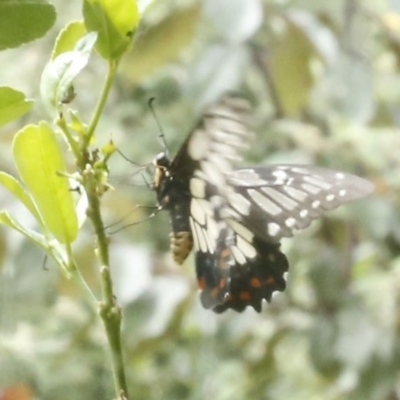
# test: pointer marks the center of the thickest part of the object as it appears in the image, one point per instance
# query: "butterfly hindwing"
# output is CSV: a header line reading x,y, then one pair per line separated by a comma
x,y
253,279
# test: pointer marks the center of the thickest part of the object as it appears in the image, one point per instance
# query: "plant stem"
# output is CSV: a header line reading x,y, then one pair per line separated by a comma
x,y
112,68
109,310
71,141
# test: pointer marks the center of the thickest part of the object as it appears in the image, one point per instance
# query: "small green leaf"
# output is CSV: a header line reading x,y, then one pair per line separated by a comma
x,y
36,237
68,38
53,249
13,104
149,49
220,69
115,21
236,20
76,124
59,73
22,21
15,187
289,65
39,160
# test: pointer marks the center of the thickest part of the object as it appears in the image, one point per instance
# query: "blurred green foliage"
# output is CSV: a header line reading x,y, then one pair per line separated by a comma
x,y
324,80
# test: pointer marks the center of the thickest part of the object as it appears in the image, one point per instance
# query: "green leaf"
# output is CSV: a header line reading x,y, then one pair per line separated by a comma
x,y
220,69
115,21
39,160
13,104
53,249
289,66
150,50
68,38
236,20
36,237
15,187
58,75
22,21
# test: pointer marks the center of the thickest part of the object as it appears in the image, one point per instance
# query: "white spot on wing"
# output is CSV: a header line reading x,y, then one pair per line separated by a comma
x,y
290,222
198,145
280,198
240,230
198,188
310,188
200,237
273,228
238,255
300,170
264,202
197,211
295,193
219,161
212,174
280,176
246,177
239,202
212,228
222,148
315,204
245,247
342,192
317,182
303,213
330,197
339,175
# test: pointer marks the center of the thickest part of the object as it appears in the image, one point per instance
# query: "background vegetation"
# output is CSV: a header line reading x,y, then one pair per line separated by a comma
x,y
324,81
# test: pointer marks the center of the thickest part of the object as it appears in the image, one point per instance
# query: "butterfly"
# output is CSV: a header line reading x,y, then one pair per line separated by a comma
x,y
234,220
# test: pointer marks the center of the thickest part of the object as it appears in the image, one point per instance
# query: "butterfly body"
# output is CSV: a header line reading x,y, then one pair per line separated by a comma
x,y
173,194
235,219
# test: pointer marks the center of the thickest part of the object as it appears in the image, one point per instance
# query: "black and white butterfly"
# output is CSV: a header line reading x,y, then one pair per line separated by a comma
x,y
234,219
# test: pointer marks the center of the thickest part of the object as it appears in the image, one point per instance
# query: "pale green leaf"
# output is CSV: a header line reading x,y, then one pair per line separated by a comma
x,y
150,50
58,75
237,20
8,220
53,249
13,104
289,66
115,21
39,160
220,69
15,187
68,38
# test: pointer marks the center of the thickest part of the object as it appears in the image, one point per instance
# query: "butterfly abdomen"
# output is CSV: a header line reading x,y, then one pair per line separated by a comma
x,y
181,245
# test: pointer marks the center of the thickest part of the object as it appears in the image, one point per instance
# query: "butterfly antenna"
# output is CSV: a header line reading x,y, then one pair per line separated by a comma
x,y
146,182
153,214
161,136
129,160
118,221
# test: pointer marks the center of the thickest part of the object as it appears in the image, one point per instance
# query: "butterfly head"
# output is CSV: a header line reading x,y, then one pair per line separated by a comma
x,y
161,177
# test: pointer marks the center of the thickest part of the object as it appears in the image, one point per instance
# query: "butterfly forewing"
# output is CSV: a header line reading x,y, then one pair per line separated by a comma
x,y
274,201
200,170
